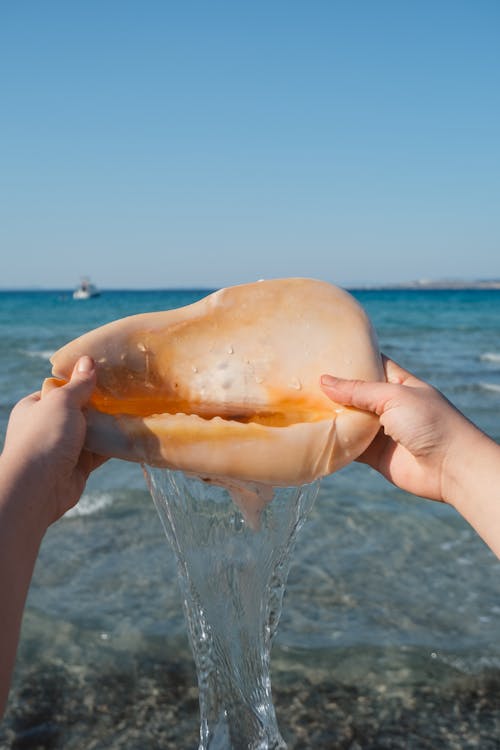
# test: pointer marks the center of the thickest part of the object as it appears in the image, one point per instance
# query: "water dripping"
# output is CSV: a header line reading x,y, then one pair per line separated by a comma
x,y
232,576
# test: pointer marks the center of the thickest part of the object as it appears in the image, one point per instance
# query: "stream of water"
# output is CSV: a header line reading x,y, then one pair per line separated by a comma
x,y
232,579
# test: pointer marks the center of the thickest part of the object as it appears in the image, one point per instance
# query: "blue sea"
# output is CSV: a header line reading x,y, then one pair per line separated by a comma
x,y
390,632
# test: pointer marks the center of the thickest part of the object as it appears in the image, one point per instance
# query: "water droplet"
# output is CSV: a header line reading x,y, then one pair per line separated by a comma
x,y
230,349
295,384
141,346
194,369
259,380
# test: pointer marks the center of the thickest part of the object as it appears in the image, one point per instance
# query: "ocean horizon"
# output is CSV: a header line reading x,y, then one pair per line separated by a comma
x,y
417,284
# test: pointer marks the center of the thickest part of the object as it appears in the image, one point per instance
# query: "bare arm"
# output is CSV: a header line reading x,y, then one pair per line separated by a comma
x,y
43,471
427,447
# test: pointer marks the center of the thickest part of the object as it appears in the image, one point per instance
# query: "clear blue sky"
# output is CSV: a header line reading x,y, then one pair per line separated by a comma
x,y
156,144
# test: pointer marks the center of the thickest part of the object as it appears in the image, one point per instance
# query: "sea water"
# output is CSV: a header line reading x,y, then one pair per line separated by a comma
x,y
390,629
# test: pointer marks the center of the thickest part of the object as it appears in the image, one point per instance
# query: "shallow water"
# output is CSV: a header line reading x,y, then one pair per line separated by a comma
x,y
389,632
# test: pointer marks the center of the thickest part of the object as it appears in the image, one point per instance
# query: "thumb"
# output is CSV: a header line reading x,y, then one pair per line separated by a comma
x,y
82,381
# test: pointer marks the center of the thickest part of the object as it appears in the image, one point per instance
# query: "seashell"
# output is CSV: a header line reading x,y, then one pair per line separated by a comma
x,y
212,388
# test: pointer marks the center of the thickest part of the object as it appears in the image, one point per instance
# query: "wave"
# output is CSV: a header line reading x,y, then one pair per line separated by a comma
x,y
37,353
495,387
490,357
90,503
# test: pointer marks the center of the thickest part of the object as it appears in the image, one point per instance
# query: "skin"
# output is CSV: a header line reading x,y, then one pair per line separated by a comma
x,y
43,471
427,447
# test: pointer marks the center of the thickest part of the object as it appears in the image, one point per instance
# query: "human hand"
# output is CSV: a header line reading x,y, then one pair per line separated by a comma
x,y
423,436
43,450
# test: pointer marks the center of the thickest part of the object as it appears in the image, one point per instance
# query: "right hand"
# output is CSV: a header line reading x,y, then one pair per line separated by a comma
x,y
421,432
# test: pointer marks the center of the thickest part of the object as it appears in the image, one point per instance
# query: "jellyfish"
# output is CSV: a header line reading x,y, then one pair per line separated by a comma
x,y
221,404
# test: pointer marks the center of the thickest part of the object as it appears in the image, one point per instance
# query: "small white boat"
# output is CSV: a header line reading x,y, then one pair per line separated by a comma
x,y
86,290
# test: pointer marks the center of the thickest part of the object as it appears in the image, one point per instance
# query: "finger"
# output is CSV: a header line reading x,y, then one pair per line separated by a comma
x,y
98,461
31,399
89,462
372,455
50,384
394,373
368,396
82,382
26,403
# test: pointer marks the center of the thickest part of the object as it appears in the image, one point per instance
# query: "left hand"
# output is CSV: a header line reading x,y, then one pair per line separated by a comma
x,y
44,443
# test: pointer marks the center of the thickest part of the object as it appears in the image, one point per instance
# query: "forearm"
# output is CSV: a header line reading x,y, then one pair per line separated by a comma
x,y
472,484
21,532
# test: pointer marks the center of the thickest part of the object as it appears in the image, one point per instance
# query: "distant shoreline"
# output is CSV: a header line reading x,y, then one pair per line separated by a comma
x,y
432,285
421,285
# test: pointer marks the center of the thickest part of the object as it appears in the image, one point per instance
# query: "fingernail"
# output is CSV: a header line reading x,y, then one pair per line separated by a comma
x,y
328,380
85,365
